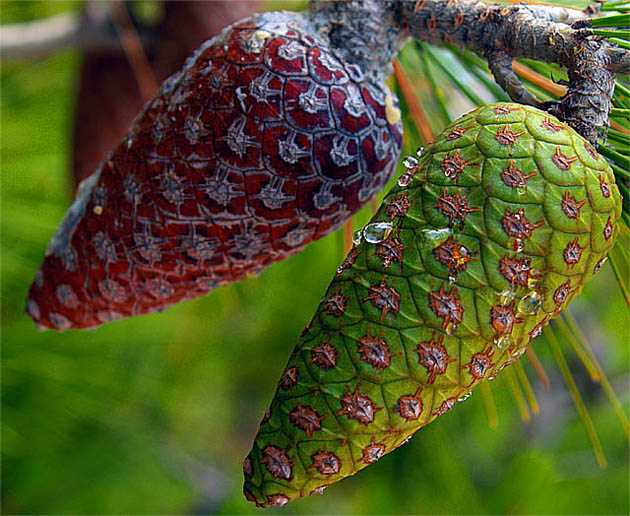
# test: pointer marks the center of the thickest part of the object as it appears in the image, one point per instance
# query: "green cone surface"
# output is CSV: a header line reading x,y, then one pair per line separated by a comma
x,y
491,235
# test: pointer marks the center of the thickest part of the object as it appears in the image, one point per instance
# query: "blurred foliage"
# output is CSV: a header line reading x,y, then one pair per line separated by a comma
x,y
153,415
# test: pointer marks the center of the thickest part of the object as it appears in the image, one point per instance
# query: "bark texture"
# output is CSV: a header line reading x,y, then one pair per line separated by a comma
x,y
543,33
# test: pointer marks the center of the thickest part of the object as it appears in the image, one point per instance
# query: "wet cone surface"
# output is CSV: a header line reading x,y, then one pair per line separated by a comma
x,y
486,239
264,142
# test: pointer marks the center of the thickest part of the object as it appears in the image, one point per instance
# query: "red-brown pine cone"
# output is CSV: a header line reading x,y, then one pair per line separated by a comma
x,y
108,96
264,142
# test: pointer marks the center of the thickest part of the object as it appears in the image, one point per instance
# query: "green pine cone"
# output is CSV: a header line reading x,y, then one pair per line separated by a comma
x,y
490,236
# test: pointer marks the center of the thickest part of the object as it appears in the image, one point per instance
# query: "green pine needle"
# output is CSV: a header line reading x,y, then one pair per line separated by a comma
x,y
625,113
621,173
623,33
615,262
527,387
575,394
438,93
457,81
620,42
517,393
569,320
573,337
616,157
618,20
489,405
622,5
621,91
618,137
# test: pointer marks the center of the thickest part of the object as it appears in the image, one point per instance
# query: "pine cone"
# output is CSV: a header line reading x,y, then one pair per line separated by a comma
x,y
486,239
265,141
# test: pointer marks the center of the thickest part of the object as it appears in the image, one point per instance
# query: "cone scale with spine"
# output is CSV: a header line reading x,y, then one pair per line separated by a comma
x,y
486,239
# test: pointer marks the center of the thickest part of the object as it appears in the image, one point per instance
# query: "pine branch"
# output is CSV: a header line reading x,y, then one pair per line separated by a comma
x,y
544,33
91,30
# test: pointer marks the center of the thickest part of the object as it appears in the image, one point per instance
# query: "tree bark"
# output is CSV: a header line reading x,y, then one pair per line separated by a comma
x,y
544,33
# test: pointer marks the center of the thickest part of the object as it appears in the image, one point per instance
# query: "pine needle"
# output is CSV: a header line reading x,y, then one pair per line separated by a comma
x,y
618,136
620,42
488,403
620,159
348,232
470,94
616,267
374,204
539,80
623,173
416,111
603,379
577,398
621,91
540,371
624,34
625,113
527,387
517,393
617,20
132,46
622,251
479,69
616,125
572,335
437,91
341,244
623,5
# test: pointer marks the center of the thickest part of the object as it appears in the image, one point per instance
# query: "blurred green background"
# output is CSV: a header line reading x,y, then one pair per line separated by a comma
x,y
154,415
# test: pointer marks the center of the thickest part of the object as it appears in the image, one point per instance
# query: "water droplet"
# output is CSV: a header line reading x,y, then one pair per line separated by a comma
x,y
404,180
502,341
98,210
521,191
437,234
491,378
376,232
451,329
409,162
357,237
452,280
533,279
420,151
465,396
530,303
